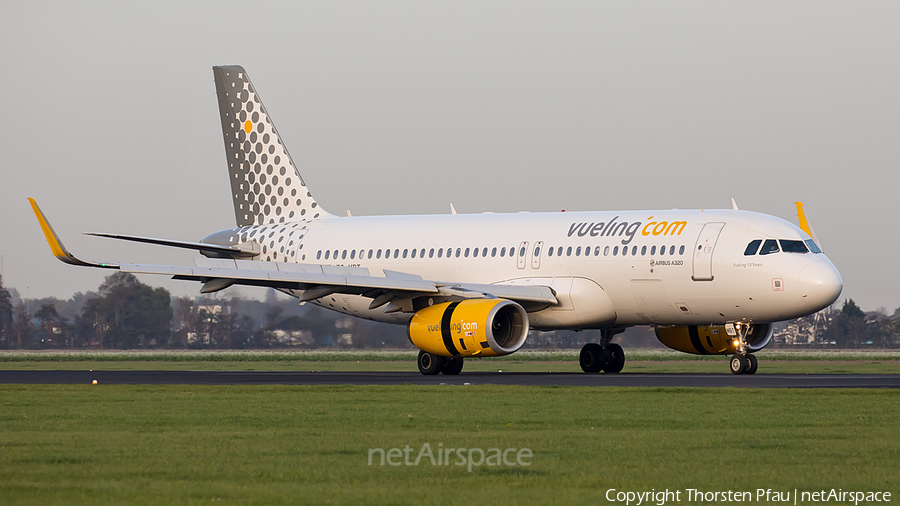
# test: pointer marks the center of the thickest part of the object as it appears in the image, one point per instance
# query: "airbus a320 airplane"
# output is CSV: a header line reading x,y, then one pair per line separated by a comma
x,y
471,286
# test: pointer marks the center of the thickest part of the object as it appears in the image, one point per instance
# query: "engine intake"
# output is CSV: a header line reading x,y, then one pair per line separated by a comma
x,y
711,339
470,328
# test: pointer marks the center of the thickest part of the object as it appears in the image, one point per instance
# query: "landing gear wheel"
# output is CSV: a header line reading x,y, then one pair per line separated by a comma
x,y
616,358
593,357
754,364
739,364
429,363
452,365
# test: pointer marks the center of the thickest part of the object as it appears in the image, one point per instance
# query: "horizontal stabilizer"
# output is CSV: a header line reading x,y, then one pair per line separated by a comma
x,y
242,252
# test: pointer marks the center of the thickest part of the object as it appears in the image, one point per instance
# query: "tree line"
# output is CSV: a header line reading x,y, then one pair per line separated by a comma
x,y
127,314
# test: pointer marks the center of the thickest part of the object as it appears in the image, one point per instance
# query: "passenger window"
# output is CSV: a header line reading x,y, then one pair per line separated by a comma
x,y
549,252
606,251
769,247
493,252
578,251
522,251
431,253
327,254
475,252
319,255
352,254
587,251
440,252
569,251
624,250
681,250
484,252
502,252
672,249
370,254
615,251
413,253
378,255
405,251
344,255
335,254
789,246
458,252
662,250
813,246
537,251
467,253
753,247
643,250
597,251
652,250
422,253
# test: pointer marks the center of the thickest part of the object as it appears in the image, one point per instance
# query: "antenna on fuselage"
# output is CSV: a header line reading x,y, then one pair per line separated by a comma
x,y
734,204
452,209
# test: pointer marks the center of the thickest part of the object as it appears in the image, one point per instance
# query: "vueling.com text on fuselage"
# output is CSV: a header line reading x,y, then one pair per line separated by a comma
x,y
612,228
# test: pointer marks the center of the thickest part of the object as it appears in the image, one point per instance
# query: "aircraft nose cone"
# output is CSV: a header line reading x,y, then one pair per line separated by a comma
x,y
820,284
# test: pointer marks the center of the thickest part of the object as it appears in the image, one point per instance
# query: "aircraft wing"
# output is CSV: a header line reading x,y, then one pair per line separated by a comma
x,y
394,289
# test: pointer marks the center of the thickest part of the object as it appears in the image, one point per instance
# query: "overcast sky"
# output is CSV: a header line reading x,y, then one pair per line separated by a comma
x,y
109,117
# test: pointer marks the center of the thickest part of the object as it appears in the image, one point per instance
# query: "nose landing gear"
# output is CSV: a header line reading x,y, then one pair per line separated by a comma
x,y
742,362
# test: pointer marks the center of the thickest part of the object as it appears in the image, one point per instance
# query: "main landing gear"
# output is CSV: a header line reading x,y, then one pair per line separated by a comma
x,y
431,364
605,356
743,362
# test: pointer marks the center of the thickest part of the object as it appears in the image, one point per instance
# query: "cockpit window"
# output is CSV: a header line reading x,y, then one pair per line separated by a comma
x,y
753,247
813,246
793,246
770,246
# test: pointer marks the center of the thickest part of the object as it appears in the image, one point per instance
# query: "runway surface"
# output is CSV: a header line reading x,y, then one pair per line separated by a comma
x,y
473,378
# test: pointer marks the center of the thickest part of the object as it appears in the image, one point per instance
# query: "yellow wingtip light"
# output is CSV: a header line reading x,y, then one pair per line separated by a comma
x,y
801,218
56,246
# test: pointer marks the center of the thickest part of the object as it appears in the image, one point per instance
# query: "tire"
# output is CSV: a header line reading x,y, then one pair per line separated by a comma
x,y
452,365
739,364
616,361
429,363
591,358
753,366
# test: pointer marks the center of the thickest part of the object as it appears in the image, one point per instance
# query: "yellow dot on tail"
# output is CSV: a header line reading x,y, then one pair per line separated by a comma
x,y
248,126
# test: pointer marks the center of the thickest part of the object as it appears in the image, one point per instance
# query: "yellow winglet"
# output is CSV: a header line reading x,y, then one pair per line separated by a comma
x,y
801,217
56,246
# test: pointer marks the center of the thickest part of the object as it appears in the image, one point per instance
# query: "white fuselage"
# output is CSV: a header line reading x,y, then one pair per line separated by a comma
x,y
611,268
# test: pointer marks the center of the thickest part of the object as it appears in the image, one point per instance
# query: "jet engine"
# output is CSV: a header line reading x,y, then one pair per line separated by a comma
x,y
470,328
712,339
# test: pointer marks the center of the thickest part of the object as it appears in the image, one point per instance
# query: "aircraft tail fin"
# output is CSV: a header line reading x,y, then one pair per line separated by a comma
x,y
265,184
804,224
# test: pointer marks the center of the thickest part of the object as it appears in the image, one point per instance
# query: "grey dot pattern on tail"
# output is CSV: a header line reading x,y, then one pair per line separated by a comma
x,y
266,185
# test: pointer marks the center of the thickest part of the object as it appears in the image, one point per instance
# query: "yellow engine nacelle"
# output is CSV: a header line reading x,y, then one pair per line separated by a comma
x,y
470,328
711,339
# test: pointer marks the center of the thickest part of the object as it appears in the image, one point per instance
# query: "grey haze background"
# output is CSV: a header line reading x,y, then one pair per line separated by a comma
x,y
109,117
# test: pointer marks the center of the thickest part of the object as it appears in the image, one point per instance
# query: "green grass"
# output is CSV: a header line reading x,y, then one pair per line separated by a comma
x,y
309,445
